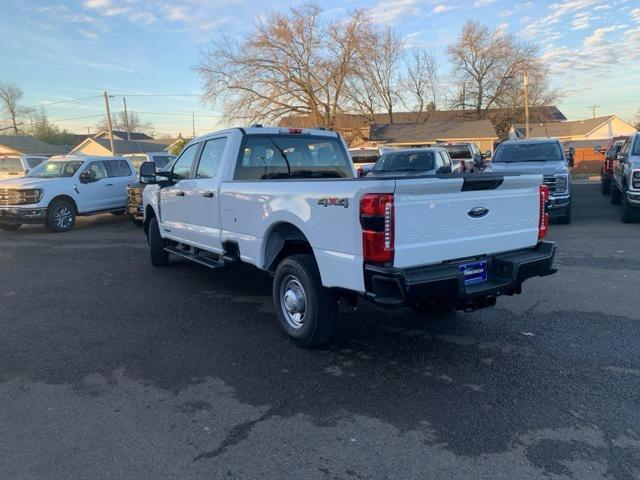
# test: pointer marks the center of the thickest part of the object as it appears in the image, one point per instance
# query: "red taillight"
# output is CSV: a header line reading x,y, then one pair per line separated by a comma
x,y
543,223
376,218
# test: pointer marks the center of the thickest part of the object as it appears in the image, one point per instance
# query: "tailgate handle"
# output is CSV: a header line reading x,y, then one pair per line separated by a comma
x,y
474,184
180,194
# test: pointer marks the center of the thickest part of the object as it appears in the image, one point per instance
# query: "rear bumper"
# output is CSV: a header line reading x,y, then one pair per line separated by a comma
x,y
444,284
22,215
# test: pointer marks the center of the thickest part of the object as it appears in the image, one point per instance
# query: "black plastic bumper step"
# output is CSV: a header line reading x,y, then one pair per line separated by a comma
x,y
199,259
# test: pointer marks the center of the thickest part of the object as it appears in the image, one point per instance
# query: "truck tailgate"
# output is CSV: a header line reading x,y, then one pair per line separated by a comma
x,y
445,219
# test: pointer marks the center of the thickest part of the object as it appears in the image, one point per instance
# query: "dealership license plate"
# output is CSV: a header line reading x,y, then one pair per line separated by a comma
x,y
474,272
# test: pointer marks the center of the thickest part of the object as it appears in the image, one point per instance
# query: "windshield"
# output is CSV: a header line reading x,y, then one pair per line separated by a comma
x,y
10,165
528,152
365,156
405,162
56,169
137,160
458,152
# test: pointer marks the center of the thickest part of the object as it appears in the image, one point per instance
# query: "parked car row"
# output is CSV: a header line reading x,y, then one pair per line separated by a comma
x,y
620,176
12,166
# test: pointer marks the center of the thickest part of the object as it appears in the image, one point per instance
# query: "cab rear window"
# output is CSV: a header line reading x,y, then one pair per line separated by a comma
x,y
273,157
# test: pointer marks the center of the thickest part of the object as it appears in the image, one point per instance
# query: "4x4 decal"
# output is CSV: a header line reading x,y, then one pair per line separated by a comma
x,y
334,202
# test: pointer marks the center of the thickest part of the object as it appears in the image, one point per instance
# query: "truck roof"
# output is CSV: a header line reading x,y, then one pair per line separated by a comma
x,y
257,130
530,141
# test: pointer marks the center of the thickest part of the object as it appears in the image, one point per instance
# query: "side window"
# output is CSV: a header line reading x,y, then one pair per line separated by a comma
x,y
182,168
118,168
97,171
211,157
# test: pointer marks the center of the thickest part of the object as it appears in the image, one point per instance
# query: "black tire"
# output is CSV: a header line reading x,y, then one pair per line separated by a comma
x,y
628,213
616,196
606,187
10,227
317,321
61,216
136,222
159,257
566,218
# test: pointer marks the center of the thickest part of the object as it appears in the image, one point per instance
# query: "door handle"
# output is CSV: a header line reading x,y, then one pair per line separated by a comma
x,y
208,194
179,194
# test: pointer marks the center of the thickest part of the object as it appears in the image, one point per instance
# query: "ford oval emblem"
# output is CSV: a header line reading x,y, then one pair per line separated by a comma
x,y
478,212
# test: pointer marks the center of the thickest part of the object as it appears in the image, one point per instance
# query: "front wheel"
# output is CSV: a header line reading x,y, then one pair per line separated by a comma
x,y
305,309
61,216
566,218
616,195
628,213
159,256
10,227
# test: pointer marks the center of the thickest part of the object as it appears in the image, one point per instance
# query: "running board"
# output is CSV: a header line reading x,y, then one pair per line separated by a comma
x,y
207,262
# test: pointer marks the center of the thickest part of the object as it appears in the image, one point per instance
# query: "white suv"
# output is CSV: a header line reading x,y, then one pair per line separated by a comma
x,y
62,188
12,166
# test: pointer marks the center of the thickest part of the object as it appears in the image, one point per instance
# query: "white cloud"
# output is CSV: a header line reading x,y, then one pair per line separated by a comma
x,y
604,6
442,8
175,13
386,12
482,3
97,4
597,36
581,21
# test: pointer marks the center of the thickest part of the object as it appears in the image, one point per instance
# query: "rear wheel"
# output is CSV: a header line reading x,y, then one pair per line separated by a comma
x,y
628,213
61,216
615,195
159,256
305,309
11,226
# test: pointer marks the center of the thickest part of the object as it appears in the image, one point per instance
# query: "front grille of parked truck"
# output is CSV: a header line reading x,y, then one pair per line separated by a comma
x,y
9,196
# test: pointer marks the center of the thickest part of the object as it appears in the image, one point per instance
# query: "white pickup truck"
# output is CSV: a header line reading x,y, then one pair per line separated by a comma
x,y
288,201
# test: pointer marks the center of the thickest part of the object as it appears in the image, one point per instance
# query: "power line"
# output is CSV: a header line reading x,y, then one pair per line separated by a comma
x,y
77,118
71,100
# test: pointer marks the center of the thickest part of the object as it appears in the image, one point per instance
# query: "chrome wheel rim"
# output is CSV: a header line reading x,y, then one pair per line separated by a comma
x,y
293,301
62,217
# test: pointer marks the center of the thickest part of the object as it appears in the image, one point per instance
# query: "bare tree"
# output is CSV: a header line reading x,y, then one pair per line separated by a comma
x,y
10,96
489,64
291,64
136,124
421,84
375,83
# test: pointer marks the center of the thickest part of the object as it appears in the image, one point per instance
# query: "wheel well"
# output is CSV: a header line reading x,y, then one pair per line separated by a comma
x,y
148,215
67,198
283,241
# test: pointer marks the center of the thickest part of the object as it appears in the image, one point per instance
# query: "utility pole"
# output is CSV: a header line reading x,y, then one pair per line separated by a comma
x,y
88,132
193,124
126,118
593,109
106,104
464,96
525,78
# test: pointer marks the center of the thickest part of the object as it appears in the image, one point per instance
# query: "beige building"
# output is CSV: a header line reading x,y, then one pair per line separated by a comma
x,y
480,132
101,146
599,128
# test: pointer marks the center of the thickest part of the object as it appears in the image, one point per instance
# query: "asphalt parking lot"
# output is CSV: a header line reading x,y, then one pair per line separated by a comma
x,y
110,368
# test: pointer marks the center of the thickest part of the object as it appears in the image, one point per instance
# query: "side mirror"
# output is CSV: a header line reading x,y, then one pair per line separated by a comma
x,y
85,177
486,154
148,173
478,160
597,149
445,169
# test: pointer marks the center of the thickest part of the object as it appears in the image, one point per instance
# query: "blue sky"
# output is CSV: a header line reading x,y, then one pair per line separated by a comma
x,y
58,51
